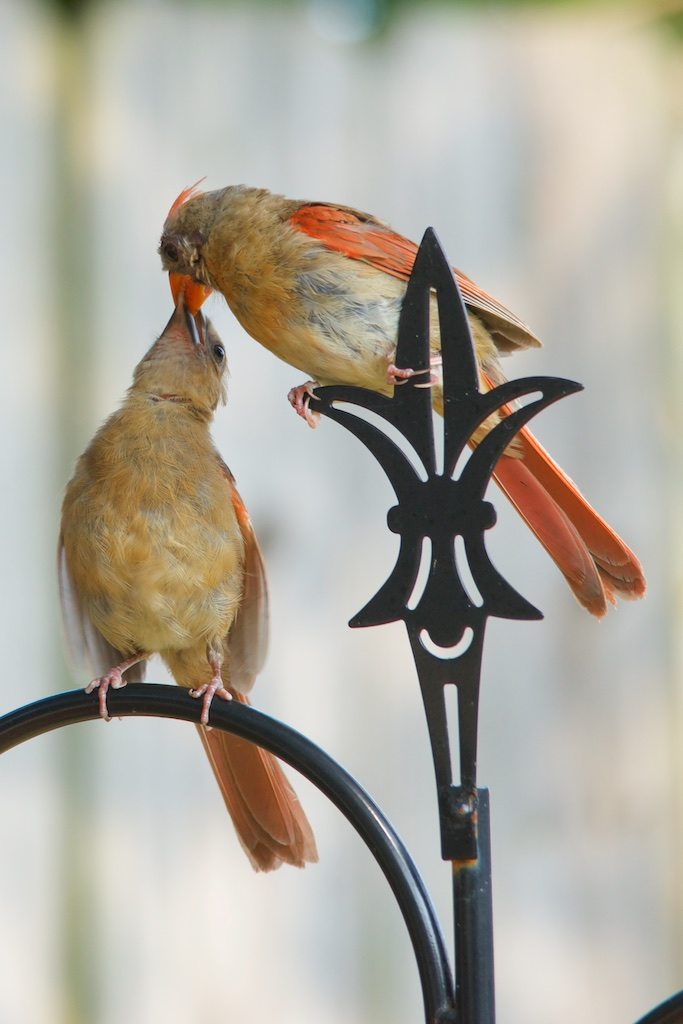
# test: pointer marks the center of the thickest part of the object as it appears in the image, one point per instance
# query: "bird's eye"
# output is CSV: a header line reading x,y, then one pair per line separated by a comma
x,y
171,251
219,353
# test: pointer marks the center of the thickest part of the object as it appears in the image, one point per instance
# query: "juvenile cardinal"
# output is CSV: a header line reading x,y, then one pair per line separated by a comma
x,y
157,555
321,286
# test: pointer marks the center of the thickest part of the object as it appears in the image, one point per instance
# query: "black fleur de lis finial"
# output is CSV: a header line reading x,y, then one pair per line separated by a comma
x,y
446,624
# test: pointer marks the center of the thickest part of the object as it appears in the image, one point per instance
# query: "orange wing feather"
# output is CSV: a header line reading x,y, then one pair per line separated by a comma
x,y
594,560
361,237
357,236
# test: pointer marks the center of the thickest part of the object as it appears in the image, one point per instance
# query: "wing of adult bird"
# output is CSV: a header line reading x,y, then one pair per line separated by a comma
x,y
361,236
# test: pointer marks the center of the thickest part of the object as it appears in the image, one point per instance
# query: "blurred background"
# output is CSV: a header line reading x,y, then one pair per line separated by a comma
x,y
544,142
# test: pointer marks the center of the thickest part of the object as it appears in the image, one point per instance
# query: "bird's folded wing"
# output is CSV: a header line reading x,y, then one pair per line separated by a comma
x,y
361,237
89,653
248,636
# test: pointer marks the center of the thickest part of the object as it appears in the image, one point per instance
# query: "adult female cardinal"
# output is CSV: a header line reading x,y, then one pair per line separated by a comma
x,y
157,555
321,286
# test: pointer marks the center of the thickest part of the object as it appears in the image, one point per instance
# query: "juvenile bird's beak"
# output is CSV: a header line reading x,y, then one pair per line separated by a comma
x,y
190,296
185,320
196,325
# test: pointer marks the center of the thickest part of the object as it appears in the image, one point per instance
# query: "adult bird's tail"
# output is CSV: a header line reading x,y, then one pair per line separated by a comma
x,y
594,560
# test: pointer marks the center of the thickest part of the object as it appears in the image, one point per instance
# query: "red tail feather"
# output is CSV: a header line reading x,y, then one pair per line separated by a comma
x,y
555,531
594,560
619,568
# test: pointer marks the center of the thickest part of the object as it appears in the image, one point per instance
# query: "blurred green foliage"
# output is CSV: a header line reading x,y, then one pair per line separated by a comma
x,y
377,15
672,21
71,9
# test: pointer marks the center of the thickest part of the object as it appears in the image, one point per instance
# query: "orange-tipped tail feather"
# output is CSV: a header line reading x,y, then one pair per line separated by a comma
x,y
594,560
555,531
619,568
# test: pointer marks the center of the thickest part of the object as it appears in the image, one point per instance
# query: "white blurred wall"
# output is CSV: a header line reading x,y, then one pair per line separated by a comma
x,y
544,147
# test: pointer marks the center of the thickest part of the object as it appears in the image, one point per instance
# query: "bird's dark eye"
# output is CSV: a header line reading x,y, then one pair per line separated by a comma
x,y
219,353
171,251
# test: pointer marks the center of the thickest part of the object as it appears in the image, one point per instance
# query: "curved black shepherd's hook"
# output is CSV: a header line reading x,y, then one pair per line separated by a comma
x,y
668,1012
375,830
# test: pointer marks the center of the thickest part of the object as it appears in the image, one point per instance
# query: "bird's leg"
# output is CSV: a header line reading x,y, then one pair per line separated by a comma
x,y
113,678
300,399
215,687
399,375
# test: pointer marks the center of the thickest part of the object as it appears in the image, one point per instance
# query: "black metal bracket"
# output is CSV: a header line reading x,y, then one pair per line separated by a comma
x,y
438,505
446,624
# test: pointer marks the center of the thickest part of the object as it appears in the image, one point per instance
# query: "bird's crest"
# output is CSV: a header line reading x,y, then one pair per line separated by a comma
x,y
187,193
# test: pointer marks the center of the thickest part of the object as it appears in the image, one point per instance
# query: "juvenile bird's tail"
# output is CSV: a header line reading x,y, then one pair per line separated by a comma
x,y
594,560
265,810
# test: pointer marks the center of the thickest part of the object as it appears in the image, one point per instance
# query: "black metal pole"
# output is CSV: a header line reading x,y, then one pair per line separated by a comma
x,y
442,505
341,788
473,917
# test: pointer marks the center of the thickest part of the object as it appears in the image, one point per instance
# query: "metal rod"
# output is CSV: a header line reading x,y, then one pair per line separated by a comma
x,y
473,914
442,508
668,1012
341,788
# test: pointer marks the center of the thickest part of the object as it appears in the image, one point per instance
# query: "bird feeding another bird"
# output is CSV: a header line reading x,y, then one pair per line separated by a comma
x,y
156,551
321,286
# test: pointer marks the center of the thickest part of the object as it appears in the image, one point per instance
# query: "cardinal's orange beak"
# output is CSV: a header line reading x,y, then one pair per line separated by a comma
x,y
188,297
195,293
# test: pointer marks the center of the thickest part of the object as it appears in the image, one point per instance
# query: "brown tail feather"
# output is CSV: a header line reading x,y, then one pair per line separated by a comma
x,y
268,818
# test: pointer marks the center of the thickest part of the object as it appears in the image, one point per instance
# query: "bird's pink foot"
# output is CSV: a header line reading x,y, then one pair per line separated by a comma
x,y
210,690
300,400
113,678
399,375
